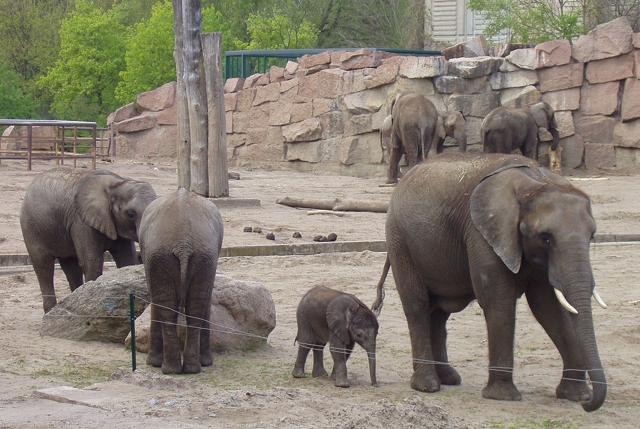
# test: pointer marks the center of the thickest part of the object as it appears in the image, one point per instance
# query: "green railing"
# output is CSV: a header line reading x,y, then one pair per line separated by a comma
x,y
246,63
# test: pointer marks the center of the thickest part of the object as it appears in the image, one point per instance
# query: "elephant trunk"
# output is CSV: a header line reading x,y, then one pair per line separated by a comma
x,y
555,136
371,353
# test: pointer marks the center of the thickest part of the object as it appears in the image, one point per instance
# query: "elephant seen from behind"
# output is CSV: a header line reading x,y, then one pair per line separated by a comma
x,y
492,227
180,240
506,129
326,315
74,217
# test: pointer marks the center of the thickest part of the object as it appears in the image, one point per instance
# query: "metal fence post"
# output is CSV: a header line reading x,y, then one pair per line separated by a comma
x,y
132,319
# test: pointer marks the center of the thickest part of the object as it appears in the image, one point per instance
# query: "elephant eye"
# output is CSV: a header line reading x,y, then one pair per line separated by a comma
x,y
131,214
546,238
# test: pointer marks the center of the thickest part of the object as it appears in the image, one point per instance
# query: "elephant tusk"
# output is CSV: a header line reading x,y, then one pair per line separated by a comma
x,y
563,301
599,300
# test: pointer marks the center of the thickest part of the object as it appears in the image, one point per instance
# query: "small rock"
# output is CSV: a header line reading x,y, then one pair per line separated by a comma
x,y
170,403
3,239
332,237
320,238
257,230
213,415
247,229
297,235
234,176
152,402
271,236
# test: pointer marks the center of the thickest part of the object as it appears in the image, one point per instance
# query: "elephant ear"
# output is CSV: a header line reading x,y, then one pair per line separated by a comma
x,y
339,313
495,212
540,115
93,202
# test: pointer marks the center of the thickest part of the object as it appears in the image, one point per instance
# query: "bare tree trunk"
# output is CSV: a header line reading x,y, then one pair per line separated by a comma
x,y
218,172
196,95
418,12
183,140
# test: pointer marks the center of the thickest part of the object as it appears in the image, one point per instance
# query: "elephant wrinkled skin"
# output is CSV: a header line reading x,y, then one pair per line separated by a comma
x,y
492,227
180,240
75,217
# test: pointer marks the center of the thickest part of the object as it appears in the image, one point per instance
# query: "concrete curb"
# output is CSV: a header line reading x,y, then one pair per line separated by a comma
x,y
301,249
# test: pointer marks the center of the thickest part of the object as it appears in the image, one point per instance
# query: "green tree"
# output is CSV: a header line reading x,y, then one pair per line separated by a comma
x,y
14,103
278,31
83,79
531,21
149,51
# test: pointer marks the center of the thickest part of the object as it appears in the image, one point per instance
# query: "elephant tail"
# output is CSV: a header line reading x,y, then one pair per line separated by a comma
x,y
183,258
376,307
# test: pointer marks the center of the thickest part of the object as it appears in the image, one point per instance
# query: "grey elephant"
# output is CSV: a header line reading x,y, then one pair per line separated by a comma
x,y
452,124
180,240
75,217
326,315
504,227
506,129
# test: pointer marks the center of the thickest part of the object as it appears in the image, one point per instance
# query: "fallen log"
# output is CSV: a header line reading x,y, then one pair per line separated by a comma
x,y
336,204
309,203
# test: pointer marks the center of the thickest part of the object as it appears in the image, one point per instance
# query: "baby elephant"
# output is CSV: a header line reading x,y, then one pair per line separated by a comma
x,y
180,240
326,315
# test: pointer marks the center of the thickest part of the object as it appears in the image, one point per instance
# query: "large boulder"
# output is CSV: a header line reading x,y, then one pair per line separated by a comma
x,y
566,99
605,41
422,67
627,134
520,97
610,69
514,79
561,77
307,130
137,123
595,129
547,54
473,105
125,112
599,99
42,137
475,47
473,67
631,99
156,142
359,59
242,316
99,310
454,84
157,99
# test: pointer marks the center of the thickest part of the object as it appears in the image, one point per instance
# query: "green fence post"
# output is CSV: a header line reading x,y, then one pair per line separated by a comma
x,y
132,319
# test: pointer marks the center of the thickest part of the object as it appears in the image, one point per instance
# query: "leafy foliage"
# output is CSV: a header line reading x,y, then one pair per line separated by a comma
x,y
277,31
13,101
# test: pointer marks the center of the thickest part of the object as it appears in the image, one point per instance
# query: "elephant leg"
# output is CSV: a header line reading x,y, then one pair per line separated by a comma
x,y
171,359
206,356
43,267
440,145
530,147
154,358
395,153
124,253
550,315
197,308
446,373
318,364
340,353
72,271
429,139
298,368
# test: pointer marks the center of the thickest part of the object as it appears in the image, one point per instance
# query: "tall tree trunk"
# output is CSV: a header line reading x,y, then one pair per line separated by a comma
x,y
218,172
183,140
196,95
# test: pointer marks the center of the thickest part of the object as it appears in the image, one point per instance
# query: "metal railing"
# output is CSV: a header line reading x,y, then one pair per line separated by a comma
x,y
73,140
246,63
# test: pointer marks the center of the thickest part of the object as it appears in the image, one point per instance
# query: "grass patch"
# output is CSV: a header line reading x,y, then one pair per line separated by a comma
x,y
79,375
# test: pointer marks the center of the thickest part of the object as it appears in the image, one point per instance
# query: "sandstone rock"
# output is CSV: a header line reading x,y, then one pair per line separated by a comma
x,y
523,58
473,67
287,85
358,124
606,40
138,123
262,80
383,75
332,124
236,306
636,40
520,97
364,102
453,85
309,61
599,156
245,99
228,122
103,307
627,158
42,137
476,47
472,128
156,142
474,105
125,112
291,68
256,118
572,151
301,111
363,148
595,129
547,54
307,130
323,105
314,152
276,74
280,113
270,92
631,99
422,67
515,79
167,116
230,102
250,82
599,99
359,59
565,124
353,81
506,66
627,134
504,49
403,84
256,136
326,83
636,60
157,99
610,69
562,77
311,70
567,99
233,84
266,152
235,140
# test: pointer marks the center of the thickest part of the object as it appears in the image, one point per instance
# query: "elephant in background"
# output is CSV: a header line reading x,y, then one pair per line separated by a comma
x,y
75,217
180,240
499,230
326,315
506,129
452,124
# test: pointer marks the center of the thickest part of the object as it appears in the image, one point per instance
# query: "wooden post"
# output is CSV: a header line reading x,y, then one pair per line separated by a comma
x,y
29,146
218,171
183,141
196,95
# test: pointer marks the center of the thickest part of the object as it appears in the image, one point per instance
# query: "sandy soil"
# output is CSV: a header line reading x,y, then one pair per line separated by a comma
x,y
256,389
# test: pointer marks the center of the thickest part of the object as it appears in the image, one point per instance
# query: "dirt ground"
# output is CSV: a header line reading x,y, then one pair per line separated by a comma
x,y
256,389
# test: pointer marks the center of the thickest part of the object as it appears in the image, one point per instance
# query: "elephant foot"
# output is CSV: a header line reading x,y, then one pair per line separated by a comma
x,y
171,369
424,383
501,390
48,303
154,359
448,375
576,391
298,373
191,368
342,382
319,373
206,359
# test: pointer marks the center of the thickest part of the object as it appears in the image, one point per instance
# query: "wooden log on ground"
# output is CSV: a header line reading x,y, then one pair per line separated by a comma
x,y
336,204
309,203
217,134
182,112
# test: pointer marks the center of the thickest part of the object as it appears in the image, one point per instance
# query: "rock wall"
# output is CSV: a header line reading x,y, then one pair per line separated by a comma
x,y
324,112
